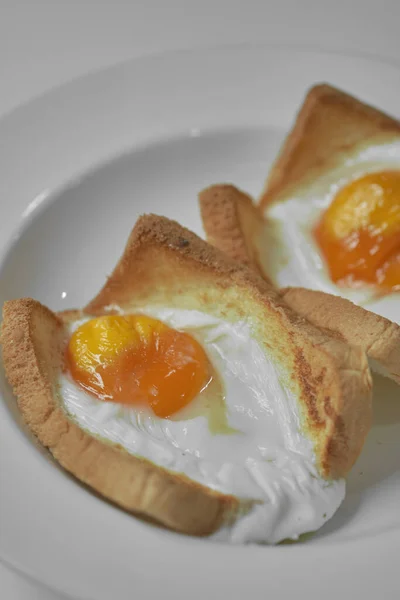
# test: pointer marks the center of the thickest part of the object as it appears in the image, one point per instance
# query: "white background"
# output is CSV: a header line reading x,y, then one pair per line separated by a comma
x,y
44,43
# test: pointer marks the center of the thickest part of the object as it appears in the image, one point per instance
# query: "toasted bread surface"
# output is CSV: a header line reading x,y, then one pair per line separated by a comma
x,y
164,264
330,123
379,337
33,341
233,221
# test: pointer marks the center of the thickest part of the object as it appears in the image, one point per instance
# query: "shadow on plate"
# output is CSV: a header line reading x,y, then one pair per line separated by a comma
x,y
380,457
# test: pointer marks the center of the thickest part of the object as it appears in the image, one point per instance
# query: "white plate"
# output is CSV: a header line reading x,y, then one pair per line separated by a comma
x,y
77,166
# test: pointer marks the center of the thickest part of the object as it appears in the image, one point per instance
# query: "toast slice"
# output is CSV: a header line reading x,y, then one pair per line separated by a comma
x,y
225,209
165,264
330,123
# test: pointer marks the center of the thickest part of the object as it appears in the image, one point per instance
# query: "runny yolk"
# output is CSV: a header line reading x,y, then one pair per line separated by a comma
x,y
138,360
359,234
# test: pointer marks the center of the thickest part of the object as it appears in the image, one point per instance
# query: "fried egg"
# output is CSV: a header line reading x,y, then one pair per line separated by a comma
x,y
197,395
340,233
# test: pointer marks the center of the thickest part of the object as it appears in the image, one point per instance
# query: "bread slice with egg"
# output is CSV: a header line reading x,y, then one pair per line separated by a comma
x,y
330,124
233,223
164,264
33,339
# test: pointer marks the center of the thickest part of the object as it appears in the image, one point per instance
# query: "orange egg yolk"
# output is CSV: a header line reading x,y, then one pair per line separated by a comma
x,y
137,360
359,234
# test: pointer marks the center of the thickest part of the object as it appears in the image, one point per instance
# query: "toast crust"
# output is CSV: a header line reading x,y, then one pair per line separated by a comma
x,y
33,340
330,123
233,221
377,336
167,265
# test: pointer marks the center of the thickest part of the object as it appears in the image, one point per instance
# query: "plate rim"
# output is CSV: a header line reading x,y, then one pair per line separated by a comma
x,y
328,50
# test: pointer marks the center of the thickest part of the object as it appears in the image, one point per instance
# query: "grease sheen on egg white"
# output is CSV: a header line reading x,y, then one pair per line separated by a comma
x,y
268,458
288,251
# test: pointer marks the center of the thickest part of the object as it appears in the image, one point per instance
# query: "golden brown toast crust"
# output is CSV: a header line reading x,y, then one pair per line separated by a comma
x,y
329,124
233,220
377,336
33,340
165,264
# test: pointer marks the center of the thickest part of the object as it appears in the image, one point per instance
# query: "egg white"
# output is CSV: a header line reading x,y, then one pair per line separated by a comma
x,y
287,249
268,458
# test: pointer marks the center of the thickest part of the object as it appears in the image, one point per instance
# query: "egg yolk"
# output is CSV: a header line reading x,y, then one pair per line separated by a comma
x,y
137,360
359,233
